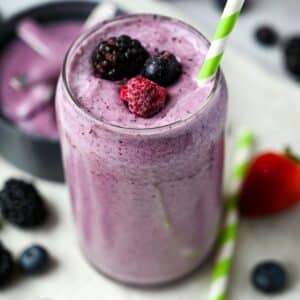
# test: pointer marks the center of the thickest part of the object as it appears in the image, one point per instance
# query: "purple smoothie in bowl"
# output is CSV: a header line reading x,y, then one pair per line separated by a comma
x,y
32,109
146,192
28,129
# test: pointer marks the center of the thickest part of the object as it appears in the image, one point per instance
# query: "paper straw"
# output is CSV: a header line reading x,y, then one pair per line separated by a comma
x,y
228,236
215,53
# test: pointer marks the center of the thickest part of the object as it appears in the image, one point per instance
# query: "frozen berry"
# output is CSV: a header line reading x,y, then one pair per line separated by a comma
x,y
34,260
143,97
269,277
6,265
118,58
162,68
292,55
21,204
266,35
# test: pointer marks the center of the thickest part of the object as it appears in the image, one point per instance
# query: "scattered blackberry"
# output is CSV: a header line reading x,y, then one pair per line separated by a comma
x,y
6,265
118,58
269,277
34,259
162,68
266,35
21,204
292,55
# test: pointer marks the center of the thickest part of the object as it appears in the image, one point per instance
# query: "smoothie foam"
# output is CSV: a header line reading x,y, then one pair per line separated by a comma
x,y
101,97
146,193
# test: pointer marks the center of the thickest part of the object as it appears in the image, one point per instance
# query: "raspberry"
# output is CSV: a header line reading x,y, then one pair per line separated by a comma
x,y
21,204
144,97
118,58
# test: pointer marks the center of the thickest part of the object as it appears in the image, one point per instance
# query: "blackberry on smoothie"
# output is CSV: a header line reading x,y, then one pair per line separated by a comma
x,y
143,147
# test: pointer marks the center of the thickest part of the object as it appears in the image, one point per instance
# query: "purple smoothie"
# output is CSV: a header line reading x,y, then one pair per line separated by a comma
x,y
32,109
146,193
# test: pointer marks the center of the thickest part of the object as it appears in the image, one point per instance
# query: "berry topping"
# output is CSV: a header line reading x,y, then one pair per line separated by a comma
x,y
143,97
34,260
6,265
162,68
269,277
271,185
292,55
21,204
266,36
118,58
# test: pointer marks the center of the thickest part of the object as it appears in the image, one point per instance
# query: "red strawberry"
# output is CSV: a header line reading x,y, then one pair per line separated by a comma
x,y
271,185
144,97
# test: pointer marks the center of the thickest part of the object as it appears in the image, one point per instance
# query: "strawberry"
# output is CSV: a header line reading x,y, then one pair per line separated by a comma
x,y
271,185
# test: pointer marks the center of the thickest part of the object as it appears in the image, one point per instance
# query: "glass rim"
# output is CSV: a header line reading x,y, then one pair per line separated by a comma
x,y
116,127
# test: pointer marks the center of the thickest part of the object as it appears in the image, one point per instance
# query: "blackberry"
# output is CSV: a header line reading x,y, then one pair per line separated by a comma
x,y
21,204
292,55
34,259
162,68
118,58
6,265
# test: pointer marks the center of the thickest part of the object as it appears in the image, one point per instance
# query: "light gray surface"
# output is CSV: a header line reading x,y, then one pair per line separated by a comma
x,y
267,103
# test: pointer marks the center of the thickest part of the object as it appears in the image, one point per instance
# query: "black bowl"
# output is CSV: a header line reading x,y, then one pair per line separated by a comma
x,y
37,155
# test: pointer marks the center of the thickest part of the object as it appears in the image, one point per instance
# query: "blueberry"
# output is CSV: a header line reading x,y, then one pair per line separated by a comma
x,y
162,68
292,55
266,35
34,259
269,277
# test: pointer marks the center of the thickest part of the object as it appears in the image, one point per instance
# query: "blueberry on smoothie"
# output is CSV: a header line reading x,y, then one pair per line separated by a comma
x,y
162,68
21,204
34,260
269,277
118,58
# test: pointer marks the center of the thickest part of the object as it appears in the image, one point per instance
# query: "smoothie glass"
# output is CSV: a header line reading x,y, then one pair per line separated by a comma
x,y
146,201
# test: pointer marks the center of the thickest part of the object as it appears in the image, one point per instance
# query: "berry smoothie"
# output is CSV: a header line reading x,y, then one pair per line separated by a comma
x,y
32,108
146,191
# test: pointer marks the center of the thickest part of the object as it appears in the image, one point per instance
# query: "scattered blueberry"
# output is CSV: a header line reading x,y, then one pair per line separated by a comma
x,y
34,260
21,204
269,277
118,58
266,35
6,265
162,68
292,55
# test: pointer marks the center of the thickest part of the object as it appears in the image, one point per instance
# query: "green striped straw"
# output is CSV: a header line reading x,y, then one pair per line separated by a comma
x,y
228,236
215,53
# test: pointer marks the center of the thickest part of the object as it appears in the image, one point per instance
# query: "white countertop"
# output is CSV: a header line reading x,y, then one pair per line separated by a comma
x,y
265,101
